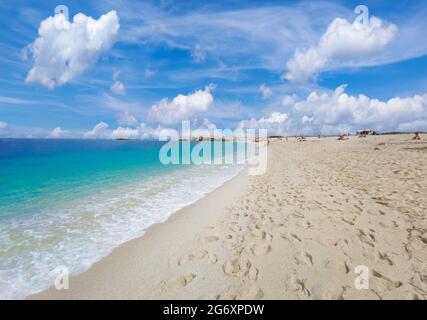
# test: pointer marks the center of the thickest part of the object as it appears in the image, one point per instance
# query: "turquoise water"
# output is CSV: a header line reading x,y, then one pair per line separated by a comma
x,y
35,174
70,202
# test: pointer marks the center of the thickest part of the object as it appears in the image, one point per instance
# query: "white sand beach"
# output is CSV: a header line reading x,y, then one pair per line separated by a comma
x,y
323,208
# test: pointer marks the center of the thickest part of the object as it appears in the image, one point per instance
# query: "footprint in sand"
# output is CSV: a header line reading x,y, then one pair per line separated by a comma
x,y
181,281
273,224
253,273
291,237
212,258
334,292
366,238
348,221
384,257
261,234
192,257
298,215
341,266
299,286
304,258
385,284
211,239
261,249
237,267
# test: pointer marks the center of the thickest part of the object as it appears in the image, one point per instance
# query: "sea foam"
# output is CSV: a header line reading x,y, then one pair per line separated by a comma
x,y
81,232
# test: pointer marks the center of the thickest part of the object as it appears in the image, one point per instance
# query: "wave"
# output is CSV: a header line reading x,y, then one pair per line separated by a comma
x,y
80,233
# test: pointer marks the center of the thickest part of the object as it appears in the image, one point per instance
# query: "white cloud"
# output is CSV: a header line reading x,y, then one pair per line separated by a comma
x,y
126,119
307,120
58,133
289,100
182,107
338,112
343,44
275,117
147,132
3,124
65,50
275,123
142,131
118,88
265,91
99,131
127,133
206,129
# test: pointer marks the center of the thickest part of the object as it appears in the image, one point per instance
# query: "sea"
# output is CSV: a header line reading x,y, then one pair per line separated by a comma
x,y
68,203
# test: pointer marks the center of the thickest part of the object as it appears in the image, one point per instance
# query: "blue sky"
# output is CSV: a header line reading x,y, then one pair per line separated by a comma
x,y
149,64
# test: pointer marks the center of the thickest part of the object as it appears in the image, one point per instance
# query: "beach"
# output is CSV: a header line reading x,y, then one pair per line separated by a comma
x,y
323,209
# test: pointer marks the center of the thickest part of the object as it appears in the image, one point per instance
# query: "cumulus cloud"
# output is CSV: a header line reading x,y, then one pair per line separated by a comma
x,y
3,124
99,131
58,133
141,131
338,112
147,132
182,107
289,100
127,119
275,123
204,129
127,133
64,50
265,91
343,44
118,88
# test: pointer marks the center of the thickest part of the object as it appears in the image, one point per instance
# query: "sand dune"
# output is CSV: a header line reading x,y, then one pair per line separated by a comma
x,y
323,208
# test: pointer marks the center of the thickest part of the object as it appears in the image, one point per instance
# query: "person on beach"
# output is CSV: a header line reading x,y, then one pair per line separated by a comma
x,y
342,138
417,136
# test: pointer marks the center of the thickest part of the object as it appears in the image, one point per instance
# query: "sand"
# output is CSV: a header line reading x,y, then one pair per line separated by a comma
x,y
323,208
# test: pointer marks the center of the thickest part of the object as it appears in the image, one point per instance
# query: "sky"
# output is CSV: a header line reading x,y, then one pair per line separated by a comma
x,y
130,69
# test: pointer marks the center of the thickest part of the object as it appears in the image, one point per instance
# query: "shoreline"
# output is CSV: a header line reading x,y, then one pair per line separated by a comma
x,y
323,209
229,191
